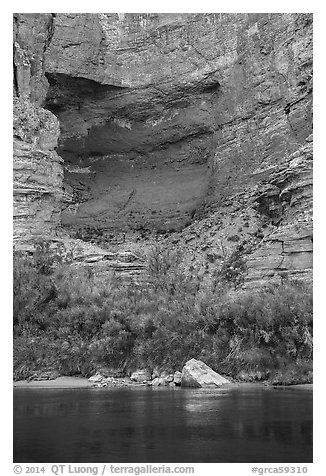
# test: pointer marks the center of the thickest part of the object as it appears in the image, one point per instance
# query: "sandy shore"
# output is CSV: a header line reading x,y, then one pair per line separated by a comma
x,y
60,382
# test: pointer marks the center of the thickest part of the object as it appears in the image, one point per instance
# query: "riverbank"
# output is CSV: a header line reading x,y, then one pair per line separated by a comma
x,y
86,323
60,382
73,382
80,382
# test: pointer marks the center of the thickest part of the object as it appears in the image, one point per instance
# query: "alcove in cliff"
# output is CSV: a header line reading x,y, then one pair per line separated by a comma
x,y
133,159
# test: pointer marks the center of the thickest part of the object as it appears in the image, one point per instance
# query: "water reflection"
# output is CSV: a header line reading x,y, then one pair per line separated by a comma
x,y
244,424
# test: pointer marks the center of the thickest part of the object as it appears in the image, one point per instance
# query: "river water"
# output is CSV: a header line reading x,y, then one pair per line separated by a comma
x,y
246,423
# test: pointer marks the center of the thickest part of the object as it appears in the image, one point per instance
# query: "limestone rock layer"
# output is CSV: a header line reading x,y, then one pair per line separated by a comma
x,y
38,173
196,126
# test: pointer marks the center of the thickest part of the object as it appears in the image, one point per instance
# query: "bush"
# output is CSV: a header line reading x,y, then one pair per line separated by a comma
x,y
32,293
74,321
165,271
233,268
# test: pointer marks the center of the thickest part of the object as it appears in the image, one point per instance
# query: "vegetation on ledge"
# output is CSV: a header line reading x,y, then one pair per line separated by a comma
x,y
68,319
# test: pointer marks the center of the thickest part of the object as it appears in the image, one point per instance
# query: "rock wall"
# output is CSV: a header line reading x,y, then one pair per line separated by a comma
x,y
195,126
31,37
38,174
38,170
135,107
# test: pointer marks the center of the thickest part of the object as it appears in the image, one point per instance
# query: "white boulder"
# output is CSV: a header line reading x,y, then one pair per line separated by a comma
x,y
197,374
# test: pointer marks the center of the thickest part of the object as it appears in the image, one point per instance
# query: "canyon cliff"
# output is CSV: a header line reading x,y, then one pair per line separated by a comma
x,y
194,130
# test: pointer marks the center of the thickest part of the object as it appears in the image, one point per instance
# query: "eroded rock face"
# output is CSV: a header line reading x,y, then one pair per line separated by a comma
x,y
32,35
38,174
287,200
134,99
198,125
38,171
265,98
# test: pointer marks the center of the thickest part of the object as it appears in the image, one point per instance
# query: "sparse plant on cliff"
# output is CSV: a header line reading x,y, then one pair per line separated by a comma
x,y
233,268
32,291
162,261
165,270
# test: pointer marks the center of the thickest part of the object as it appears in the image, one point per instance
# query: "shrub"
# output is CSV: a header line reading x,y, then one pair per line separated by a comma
x,y
233,268
32,292
74,321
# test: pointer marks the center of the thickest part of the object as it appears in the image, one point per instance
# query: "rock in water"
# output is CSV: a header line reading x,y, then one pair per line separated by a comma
x,y
177,377
159,382
197,374
97,378
141,375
